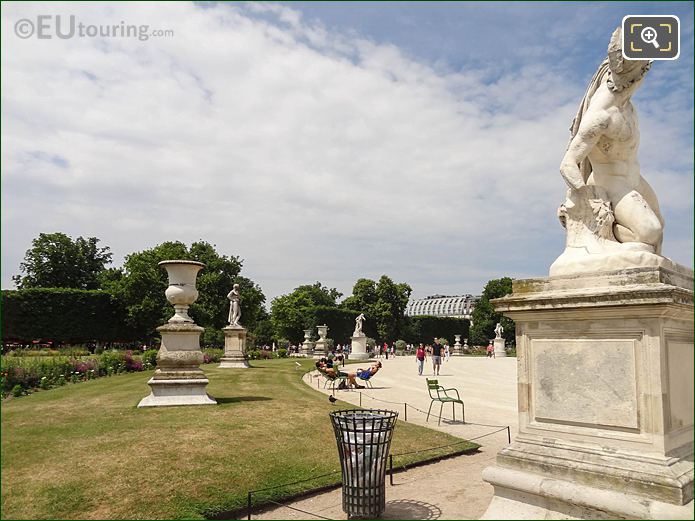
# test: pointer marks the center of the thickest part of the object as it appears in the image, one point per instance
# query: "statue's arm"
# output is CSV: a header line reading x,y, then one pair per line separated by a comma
x,y
590,131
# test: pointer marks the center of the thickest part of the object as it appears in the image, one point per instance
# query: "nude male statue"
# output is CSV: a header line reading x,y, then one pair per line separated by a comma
x,y
358,325
603,151
234,308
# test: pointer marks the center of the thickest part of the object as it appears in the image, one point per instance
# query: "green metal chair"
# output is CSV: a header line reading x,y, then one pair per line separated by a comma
x,y
440,394
333,380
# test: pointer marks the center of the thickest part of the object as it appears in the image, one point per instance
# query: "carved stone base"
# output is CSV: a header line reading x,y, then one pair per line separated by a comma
x,y
358,348
177,392
234,348
605,398
500,352
178,380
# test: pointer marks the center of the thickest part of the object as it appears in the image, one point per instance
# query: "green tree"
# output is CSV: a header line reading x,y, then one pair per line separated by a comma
x,y
290,314
382,302
485,317
142,283
56,261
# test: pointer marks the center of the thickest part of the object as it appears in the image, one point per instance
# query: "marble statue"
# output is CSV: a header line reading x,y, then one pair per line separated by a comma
x,y
499,330
358,325
610,209
234,307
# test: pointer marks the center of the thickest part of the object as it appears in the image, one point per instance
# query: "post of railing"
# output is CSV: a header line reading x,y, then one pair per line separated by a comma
x,y
509,435
391,469
405,408
360,399
248,505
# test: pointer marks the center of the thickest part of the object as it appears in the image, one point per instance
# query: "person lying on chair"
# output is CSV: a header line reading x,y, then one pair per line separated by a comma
x,y
332,373
366,374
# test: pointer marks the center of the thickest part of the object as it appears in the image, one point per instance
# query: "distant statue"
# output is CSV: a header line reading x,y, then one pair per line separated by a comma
x,y
358,325
499,330
610,207
234,307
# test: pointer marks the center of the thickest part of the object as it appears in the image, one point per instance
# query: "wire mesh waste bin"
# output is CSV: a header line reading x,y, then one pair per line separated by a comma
x,y
363,437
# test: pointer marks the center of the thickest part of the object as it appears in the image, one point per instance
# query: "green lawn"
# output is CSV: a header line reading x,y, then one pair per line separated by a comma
x,y
84,451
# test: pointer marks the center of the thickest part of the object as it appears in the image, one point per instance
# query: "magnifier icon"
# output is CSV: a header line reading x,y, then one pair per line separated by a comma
x,y
648,35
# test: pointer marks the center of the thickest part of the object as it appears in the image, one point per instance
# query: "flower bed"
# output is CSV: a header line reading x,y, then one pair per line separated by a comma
x,y
21,375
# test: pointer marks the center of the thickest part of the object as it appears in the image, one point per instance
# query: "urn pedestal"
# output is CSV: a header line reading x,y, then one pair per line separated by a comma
x,y
178,379
234,348
307,345
358,348
605,386
321,345
458,348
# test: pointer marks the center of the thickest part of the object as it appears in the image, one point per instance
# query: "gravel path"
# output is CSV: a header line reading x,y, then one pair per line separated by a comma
x,y
449,489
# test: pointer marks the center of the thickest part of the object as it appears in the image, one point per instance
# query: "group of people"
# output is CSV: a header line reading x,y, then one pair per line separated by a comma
x,y
436,351
327,367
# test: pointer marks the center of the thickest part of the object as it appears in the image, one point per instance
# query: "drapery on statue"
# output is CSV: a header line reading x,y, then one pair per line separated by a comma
x,y
499,330
234,307
358,325
609,207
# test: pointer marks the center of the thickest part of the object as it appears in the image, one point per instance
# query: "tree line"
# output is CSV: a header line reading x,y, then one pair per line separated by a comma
x,y
67,293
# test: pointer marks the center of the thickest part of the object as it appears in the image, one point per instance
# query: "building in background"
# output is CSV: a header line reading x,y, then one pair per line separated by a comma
x,y
459,306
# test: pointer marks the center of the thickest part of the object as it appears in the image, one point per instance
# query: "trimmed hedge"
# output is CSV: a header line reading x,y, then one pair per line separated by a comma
x,y
63,315
425,328
340,322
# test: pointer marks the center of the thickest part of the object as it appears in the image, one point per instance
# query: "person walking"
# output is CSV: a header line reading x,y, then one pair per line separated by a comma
x,y
436,357
420,356
490,350
446,352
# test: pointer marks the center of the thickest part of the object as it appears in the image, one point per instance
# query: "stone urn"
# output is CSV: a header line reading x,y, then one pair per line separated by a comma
x,y
321,345
457,345
307,345
178,379
181,292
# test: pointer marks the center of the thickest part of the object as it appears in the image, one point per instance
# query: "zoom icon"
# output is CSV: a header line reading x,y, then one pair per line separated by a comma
x,y
651,37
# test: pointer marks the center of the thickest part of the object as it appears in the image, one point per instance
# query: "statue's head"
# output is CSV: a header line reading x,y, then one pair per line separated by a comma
x,y
623,72
236,286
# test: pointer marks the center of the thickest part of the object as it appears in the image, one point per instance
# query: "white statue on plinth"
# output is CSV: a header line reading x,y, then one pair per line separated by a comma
x,y
358,325
234,306
499,330
611,213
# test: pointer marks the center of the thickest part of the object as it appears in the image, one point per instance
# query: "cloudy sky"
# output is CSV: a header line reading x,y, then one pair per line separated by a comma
x,y
324,141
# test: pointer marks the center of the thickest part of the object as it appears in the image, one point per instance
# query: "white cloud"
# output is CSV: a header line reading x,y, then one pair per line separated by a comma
x,y
311,155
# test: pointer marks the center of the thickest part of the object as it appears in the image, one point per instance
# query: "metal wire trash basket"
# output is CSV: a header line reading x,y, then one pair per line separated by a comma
x,y
364,438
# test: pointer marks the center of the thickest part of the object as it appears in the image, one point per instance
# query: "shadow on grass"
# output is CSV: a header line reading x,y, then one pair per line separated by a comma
x,y
237,399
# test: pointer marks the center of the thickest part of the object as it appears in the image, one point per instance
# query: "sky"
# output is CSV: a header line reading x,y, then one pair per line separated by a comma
x,y
324,141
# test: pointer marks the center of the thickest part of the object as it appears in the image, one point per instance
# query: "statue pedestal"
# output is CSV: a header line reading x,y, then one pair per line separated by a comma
x,y
605,398
234,348
178,380
358,348
500,352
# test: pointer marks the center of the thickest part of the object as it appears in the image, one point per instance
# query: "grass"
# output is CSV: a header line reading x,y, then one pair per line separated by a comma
x,y
86,452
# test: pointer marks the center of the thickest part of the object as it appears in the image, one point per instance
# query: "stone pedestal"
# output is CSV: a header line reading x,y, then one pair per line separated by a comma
x,y
358,348
234,348
605,370
458,348
500,352
307,345
321,345
178,380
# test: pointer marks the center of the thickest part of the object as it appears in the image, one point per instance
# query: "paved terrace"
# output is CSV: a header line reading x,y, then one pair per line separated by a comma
x,y
450,489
